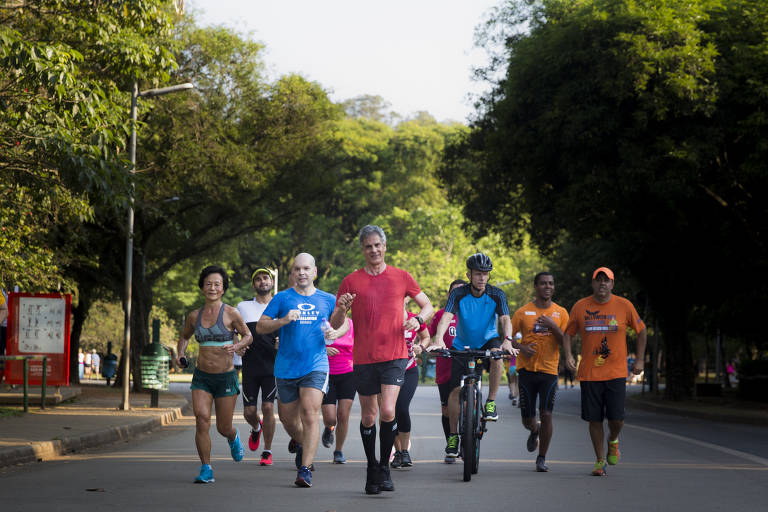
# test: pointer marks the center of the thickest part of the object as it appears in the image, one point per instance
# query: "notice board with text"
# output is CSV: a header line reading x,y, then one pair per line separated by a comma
x,y
38,324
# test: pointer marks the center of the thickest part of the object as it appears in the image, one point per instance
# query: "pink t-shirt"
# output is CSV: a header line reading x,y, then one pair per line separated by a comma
x,y
378,313
342,362
443,364
410,338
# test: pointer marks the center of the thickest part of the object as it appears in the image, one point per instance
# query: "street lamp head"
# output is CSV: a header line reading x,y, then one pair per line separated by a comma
x,y
149,93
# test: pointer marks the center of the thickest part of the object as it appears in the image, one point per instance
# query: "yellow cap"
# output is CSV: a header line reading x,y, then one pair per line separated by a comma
x,y
262,270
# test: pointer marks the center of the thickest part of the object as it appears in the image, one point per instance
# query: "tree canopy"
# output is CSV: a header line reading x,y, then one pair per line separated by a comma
x,y
633,130
64,70
242,171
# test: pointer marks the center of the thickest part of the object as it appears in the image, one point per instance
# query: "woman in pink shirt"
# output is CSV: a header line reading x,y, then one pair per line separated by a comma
x,y
341,389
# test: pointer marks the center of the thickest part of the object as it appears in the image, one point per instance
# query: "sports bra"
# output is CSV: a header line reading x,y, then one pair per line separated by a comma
x,y
215,336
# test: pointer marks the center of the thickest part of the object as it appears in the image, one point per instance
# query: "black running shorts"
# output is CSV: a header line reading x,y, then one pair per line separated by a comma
x,y
340,387
251,386
602,399
370,377
536,386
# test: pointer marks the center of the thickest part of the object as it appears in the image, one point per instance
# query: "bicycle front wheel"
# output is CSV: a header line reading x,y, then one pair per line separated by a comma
x,y
469,440
478,426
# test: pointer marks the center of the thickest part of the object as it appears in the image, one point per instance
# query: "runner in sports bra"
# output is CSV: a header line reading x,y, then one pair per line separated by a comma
x,y
214,381
216,335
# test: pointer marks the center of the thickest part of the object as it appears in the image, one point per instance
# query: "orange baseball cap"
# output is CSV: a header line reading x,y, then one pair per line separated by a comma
x,y
608,272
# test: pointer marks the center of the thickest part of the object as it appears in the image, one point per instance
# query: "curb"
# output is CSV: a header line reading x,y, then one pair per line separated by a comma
x,y
721,416
46,450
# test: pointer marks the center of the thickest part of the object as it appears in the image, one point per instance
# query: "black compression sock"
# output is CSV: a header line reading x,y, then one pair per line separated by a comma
x,y
387,439
368,434
446,427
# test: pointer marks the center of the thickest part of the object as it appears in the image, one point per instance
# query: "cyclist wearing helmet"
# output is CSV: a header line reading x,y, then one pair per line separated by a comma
x,y
477,307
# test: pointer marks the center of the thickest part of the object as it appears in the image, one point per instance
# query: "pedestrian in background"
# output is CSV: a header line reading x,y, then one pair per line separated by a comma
x,y
80,364
95,363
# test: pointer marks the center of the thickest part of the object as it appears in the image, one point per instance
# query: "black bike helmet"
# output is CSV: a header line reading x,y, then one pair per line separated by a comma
x,y
480,261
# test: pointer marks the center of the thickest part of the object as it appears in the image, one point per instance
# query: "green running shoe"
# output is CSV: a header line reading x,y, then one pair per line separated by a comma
x,y
599,468
613,453
452,449
490,413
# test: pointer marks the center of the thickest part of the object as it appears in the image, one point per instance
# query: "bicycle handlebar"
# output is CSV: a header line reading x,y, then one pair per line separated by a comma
x,y
491,354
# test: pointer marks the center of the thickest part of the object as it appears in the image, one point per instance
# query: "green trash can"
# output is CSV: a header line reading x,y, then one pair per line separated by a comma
x,y
154,367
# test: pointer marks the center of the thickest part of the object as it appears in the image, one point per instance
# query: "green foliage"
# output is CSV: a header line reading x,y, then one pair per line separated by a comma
x,y
213,165
8,412
63,120
386,176
241,172
374,108
105,325
631,131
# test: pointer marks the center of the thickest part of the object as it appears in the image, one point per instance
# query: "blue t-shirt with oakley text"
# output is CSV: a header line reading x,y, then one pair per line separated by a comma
x,y
476,317
302,344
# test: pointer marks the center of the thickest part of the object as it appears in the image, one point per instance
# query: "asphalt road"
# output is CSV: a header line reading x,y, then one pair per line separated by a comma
x,y
669,463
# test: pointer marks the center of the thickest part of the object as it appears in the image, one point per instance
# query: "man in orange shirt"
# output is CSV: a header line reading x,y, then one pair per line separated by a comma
x,y
541,324
602,320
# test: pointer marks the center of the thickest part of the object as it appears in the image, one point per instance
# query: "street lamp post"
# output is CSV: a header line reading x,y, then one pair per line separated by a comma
x,y
135,95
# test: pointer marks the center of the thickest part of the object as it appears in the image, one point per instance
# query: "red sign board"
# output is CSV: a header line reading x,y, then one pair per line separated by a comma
x,y
38,325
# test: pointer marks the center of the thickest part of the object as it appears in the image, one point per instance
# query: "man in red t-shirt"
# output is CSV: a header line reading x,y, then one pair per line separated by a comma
x,y
602,320
379,354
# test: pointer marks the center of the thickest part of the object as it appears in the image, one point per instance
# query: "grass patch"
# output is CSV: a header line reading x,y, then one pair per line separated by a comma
x,y
7,412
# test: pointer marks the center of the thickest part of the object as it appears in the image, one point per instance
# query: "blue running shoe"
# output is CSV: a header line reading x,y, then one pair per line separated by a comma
x,y
304,477
206,475
236,448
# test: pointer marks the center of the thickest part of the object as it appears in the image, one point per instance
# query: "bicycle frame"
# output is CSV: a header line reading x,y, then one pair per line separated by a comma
x,y
472,424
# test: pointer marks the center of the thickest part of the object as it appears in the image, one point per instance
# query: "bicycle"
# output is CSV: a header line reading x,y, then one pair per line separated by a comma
x,y
471,419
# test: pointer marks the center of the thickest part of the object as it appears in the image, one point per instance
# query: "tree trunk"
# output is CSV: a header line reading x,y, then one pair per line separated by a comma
x,y
79,316
678,354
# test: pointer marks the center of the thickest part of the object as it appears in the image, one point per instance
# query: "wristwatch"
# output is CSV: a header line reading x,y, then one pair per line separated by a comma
x,y
420,320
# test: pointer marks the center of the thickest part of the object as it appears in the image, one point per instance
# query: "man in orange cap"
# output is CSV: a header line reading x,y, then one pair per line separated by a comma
x,y
602,320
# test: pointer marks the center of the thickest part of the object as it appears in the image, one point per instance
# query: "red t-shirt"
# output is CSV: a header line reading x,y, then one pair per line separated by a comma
x,y
443,364
377,312
410,339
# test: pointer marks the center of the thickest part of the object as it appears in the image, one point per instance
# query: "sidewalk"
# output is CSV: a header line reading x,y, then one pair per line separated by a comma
x,y
727,409
89,420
